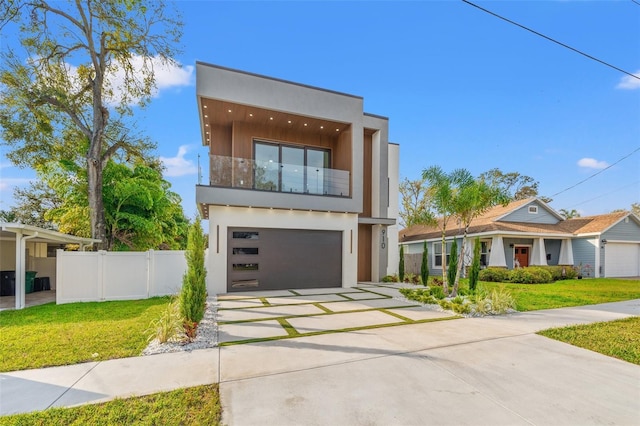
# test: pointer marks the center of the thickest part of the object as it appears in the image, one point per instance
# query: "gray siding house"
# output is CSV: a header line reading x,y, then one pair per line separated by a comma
x,y
529,232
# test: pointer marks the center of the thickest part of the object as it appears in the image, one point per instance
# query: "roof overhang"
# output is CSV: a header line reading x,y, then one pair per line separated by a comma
x,y
8,231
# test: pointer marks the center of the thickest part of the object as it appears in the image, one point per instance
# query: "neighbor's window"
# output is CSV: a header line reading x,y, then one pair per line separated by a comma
x,y
533,209
437,253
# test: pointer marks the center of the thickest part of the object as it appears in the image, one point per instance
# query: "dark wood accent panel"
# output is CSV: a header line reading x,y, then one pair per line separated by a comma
x,y
367,176
286,258
220,140
364,252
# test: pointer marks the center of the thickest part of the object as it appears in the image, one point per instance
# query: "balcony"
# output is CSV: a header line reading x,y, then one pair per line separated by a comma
x,y
244,173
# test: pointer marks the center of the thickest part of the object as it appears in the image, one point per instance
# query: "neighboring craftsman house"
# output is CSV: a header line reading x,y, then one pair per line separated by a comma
x,y
303,185
529,232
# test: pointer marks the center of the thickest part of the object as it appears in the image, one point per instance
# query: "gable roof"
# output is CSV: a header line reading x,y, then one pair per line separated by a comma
x,y
491,222
595,224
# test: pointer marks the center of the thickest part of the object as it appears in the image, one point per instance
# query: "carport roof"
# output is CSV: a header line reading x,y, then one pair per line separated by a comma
x,y
41,235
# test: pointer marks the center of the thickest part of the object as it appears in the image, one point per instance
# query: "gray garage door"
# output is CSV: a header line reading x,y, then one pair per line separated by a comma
x,y
273,259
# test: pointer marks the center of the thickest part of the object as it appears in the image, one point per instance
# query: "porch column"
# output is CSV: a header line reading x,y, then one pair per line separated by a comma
x,y
20,261
539,255
566,253
496,257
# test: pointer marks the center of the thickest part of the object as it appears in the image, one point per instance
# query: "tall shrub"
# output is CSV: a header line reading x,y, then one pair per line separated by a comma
x,y
424,266
453,263
401,265
193,296
474,272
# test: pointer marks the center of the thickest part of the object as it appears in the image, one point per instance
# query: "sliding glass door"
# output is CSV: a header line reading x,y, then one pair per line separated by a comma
x,y
288,168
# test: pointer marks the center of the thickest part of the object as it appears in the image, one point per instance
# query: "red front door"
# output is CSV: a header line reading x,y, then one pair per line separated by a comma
x,y
521,256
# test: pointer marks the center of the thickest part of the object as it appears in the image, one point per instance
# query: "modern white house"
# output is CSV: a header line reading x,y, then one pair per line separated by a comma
x,y
303,185
530,233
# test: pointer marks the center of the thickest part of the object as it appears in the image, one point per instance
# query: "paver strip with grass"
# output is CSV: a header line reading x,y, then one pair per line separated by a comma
x,y
328,312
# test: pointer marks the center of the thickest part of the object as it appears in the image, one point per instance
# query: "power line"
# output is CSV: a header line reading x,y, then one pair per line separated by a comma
x,y
606,193
551,39
597,173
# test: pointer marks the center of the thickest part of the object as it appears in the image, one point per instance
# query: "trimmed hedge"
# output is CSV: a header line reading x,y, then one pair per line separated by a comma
x,y
528,275
496,275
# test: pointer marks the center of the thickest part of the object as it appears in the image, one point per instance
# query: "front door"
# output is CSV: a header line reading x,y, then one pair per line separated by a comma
x,y
521,256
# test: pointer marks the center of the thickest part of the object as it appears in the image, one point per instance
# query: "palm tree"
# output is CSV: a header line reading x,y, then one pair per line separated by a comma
x,y
472,199
443,188
569,214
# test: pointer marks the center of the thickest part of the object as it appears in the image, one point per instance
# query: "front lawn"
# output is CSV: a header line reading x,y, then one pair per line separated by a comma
x,y
531,297
619,339
48,335
198,405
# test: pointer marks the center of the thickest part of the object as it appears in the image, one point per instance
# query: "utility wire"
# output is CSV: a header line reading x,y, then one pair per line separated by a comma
x,y
597,173
551,39
606,193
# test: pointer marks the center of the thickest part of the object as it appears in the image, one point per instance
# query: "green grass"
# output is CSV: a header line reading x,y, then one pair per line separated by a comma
x,y
50,334
530,297
191,406
619,339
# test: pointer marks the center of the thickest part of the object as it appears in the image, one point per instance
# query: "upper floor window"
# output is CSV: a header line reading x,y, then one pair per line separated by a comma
x,y
288,168
533,209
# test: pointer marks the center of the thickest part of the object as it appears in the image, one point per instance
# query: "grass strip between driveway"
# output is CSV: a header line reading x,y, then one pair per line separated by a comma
x,y
619,339
340,330
198,405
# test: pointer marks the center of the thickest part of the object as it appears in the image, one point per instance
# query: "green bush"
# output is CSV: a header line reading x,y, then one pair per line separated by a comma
x,y
390,279
557,272
193,296
496,275
530,275
169,326
474,271
437,292
424,265
452,267
501,301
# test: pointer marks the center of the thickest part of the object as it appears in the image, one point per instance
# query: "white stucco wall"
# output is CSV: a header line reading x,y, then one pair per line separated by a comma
x,y
222,217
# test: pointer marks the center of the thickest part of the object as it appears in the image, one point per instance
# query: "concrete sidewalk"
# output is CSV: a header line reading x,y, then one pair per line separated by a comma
x,y
467,371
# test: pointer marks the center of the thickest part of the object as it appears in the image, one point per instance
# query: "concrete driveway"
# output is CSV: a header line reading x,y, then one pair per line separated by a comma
x,y
467,371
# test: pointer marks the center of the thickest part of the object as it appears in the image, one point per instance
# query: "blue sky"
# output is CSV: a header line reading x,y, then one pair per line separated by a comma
x,y
461,88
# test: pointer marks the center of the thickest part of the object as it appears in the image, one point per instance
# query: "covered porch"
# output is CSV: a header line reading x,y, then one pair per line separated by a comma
x,y
512,251
29,253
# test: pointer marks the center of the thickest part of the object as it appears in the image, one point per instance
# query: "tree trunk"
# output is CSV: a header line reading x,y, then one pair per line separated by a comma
x,y
96,205
454,293
445,285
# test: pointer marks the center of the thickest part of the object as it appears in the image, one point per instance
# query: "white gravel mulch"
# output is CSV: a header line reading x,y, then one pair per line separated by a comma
x,y
206,337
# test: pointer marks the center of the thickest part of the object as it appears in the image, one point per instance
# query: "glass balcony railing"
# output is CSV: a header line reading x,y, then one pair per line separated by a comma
x,y
245,173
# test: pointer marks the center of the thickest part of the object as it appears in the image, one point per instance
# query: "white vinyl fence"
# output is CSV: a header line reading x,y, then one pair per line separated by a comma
x,y
102,275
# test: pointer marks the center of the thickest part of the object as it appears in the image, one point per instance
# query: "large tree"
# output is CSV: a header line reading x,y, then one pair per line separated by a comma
x,y
414,200
85,64
142,212
519,187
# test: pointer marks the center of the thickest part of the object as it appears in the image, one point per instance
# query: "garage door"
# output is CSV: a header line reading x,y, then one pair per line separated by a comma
x,y
273,259
622,260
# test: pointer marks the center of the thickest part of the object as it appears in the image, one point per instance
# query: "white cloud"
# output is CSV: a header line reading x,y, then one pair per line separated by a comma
x,y
592,163
178,165
7,184
629,83
167,76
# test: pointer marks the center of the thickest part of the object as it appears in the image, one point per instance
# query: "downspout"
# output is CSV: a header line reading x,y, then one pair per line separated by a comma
x,y
21,268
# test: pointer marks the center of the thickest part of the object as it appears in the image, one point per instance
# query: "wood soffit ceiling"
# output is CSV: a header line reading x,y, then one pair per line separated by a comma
x,y
220,113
